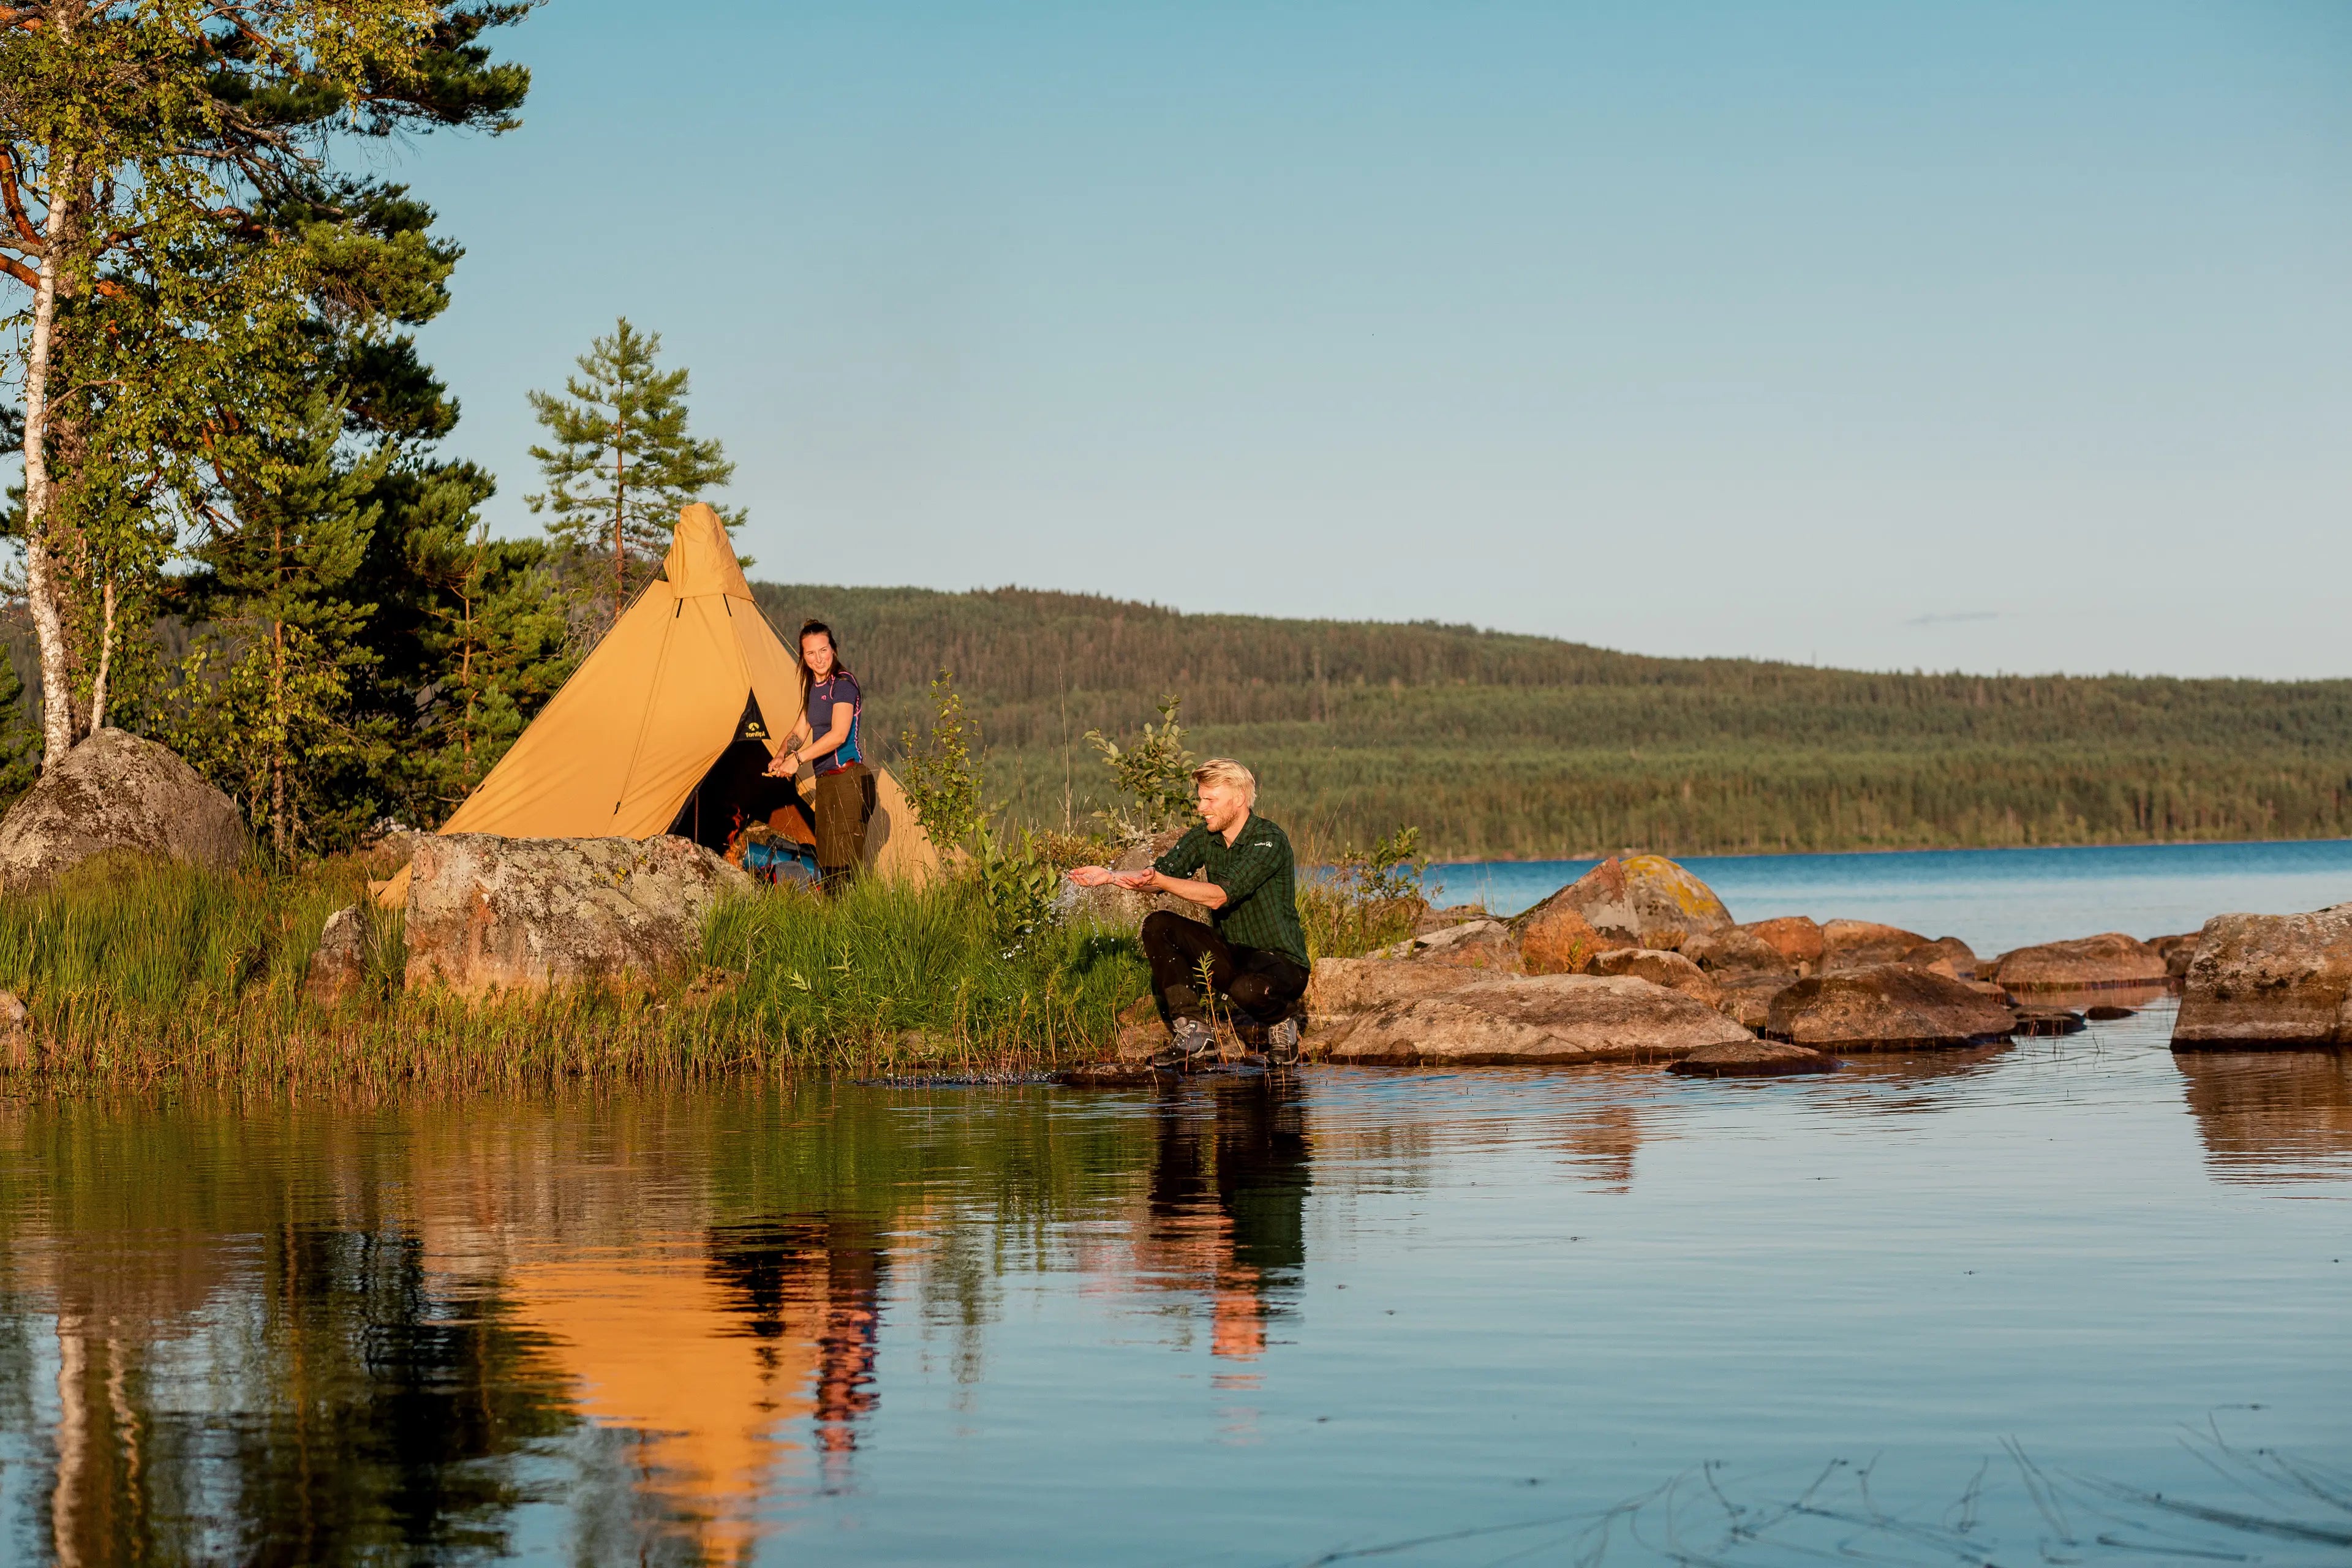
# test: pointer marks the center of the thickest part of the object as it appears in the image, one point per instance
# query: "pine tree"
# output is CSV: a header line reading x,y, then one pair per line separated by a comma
x,y
266,698
622,463
498,638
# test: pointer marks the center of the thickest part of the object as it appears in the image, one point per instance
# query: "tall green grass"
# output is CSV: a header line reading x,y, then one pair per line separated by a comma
x,y
146,975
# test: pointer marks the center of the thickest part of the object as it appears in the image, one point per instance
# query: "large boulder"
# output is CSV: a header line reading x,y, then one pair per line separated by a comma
x,y
116,791
1530,1018
1643,901
2089,963
1796,938
1887,1006
1341,986
1858,944
2269,980
489,914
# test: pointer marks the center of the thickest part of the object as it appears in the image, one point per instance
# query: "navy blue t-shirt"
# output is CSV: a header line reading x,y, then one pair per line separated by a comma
x,y
837,689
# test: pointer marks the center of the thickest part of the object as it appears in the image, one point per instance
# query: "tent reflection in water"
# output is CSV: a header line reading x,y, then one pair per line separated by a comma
x,y
669,725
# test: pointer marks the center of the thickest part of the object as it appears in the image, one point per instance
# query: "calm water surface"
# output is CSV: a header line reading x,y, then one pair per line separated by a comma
x,y
1972,1307
1992,899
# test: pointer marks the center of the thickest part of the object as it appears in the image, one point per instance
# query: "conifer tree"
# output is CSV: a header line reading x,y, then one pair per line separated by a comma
x,y
267,701
621,463
20,737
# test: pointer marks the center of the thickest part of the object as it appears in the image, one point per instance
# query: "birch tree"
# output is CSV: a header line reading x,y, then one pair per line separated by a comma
x,y
168,208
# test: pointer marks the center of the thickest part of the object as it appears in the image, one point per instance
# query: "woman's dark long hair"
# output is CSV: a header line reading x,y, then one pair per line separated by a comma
x,y
808,630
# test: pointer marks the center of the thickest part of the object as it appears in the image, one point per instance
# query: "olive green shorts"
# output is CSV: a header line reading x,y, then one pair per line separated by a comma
x,y
845,803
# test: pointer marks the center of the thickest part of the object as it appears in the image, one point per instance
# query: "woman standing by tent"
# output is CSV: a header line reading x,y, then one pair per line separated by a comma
x,y
825,734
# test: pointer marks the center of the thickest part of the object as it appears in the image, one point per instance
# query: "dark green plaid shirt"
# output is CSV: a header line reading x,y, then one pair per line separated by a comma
x,y
1260,880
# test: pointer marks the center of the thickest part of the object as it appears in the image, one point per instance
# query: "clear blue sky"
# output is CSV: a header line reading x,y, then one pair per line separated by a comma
x,y
1981,336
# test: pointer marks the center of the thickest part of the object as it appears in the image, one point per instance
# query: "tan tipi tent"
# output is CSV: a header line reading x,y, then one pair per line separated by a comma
x,y
633,744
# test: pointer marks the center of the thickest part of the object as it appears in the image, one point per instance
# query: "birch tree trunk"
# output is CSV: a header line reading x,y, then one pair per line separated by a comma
x,y
41,566
105,659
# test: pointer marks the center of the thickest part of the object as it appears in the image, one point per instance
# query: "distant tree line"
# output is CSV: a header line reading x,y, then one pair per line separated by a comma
x,y
1506,745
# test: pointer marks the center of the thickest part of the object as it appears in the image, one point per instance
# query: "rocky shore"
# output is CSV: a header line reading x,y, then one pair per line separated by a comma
x,y
1639,961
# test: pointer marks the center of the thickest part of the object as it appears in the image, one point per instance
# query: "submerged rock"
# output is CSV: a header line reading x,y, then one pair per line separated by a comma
x,y
1753,1058
2039,1022
1644,901
2269,980
1888,1006
1859,944
489,914
2107,1013
1525,1018
2087,963
117,792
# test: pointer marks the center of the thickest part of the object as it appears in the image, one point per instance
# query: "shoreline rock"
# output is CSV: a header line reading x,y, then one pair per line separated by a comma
x,y
1889,1008
1524,1019
117,792
2269,981
1752,1059
1643,901
487,914
2086,963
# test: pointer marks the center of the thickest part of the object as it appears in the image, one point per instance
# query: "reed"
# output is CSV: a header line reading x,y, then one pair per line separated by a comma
x,y
144,976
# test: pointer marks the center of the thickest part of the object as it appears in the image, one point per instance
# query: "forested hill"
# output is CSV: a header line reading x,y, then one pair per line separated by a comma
x,y
1518,746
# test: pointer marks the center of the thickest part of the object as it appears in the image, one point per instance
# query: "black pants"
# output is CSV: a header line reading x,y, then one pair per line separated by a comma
x,y
1263,983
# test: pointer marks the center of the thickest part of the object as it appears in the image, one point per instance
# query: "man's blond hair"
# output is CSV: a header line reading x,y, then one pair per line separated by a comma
x,y
1229,772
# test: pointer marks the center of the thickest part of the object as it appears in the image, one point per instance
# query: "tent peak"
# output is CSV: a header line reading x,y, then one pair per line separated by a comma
x,y
700,559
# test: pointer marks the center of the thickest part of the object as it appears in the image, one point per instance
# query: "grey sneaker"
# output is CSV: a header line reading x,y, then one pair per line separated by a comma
x,y
1190,1041
1282,1043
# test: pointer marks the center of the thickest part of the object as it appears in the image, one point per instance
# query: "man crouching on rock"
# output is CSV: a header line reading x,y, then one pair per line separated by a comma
x,y
1238,867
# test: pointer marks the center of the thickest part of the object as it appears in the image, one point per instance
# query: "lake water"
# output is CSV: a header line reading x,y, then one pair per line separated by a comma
x,y
2073,1300
1992,899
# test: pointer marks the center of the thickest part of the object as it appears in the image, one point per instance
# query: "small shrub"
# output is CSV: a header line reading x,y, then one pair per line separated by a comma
x,y
1366,899
1154,777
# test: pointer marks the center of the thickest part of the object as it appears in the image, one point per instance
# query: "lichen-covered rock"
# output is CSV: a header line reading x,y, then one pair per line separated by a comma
x,y
2269,980
1644,901
1341,986
1887,1006
1858,944
1659,967
487,913
1558,941
1752,1059
116,791
1797,938
339,960
1528,1018
2087,963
